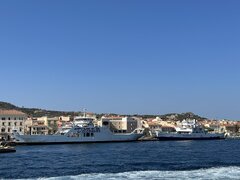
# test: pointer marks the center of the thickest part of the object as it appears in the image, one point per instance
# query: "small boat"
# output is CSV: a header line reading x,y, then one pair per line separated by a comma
x,y
189,130
6,149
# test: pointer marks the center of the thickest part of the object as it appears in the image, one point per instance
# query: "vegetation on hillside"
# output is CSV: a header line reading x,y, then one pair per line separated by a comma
x,y
36,112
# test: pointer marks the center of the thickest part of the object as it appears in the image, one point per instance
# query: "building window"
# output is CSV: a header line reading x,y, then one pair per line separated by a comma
x,y
15,118
3,123
3,118
9,118
105,123
15,123
3,130
20,129
9,129
20,123
9,123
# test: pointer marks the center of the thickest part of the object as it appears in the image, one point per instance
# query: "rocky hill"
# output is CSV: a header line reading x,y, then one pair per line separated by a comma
x,y
174,116
177,117
36,112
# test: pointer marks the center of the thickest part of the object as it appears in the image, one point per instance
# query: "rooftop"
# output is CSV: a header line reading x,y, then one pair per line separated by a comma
x,y
11,112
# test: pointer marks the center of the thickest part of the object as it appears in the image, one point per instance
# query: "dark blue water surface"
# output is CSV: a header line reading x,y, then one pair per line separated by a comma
x,y
75,159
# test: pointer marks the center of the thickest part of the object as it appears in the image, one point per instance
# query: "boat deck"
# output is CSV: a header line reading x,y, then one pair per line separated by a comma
x,y
7,149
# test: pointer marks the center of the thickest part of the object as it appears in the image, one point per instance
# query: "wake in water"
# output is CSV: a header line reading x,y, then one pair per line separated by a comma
x,y
211,173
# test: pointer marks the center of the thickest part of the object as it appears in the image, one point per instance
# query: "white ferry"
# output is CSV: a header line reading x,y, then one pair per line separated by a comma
x,y
82,131
189,130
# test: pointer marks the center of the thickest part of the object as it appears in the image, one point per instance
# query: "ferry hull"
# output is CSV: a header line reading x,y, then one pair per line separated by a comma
x,y
70,142
7,150
58,139
189,137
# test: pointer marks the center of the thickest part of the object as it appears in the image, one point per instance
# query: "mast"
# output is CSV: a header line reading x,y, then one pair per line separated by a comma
x,y
84,112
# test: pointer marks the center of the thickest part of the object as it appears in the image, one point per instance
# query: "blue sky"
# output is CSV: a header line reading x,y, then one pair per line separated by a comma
x,y
145,57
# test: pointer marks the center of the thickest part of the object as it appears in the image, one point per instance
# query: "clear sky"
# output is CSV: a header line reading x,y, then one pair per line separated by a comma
x,y
125,56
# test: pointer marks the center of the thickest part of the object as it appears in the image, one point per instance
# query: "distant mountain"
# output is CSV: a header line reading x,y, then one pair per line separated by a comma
x,y
174,116
36,112
5,105
177,117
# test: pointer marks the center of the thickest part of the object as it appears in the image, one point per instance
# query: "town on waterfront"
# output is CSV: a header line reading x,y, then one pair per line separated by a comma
x,y
12,119
147,158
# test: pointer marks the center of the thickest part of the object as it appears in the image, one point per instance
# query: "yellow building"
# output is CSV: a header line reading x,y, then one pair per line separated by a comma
x,y
51,123
33,126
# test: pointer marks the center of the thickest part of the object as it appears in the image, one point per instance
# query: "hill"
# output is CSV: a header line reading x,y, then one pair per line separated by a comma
x,y
182,116
174,116
36,112
5,105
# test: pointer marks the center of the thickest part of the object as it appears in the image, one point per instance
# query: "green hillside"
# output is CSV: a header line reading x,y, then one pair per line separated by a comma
x,y
36,112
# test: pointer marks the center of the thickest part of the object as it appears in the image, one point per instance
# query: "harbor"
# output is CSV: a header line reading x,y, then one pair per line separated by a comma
x,y
146,159
19,128
119,90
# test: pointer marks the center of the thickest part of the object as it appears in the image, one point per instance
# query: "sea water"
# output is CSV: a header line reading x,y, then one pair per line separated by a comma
x,y
214,159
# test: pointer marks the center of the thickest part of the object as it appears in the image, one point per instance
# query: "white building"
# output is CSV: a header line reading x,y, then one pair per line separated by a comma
x,y
11,120
64,118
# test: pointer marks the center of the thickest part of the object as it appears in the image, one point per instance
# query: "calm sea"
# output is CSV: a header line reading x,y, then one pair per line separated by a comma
x,y
218,159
